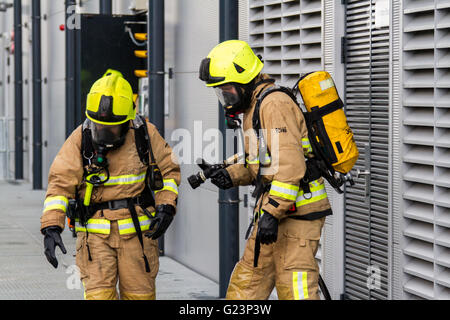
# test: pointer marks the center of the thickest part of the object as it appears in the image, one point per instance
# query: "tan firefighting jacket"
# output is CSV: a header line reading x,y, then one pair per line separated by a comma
x,y
285,133
127,175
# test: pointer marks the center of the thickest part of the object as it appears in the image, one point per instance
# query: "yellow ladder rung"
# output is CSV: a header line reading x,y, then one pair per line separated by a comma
x,y
141,53
141,36
140,73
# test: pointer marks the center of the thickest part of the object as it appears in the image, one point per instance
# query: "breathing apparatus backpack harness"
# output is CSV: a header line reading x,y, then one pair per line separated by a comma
x,y
95,162
320,165
316,167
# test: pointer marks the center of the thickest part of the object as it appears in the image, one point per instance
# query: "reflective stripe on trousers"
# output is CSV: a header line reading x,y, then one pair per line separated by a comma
x,y
300,285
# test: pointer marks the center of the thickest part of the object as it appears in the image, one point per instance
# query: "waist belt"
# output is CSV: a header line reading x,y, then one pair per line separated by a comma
x,y
313,215
118,204
103,226
126,226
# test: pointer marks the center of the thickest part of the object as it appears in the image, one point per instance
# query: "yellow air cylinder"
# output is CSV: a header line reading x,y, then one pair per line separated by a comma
x,y
334,134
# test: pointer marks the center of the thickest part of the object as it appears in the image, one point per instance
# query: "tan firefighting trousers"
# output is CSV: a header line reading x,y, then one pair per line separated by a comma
x,y
289,264
117,258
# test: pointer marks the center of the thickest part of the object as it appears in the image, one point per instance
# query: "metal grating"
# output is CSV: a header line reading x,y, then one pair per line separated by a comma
x,y
426,154
288,34
367,109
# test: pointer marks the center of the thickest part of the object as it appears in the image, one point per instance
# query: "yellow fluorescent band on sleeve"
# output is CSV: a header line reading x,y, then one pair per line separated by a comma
x,y
169,185
284,190
56,203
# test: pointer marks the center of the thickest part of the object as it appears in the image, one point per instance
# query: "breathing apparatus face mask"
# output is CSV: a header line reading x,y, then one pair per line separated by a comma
x,y
232,98
228,94
109,137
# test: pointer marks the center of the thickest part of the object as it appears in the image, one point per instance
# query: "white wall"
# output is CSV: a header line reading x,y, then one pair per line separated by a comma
x,y
192,30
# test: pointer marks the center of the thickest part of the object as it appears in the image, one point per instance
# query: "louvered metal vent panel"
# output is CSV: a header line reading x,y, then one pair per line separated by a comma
x,y
288,34
426,145
367,109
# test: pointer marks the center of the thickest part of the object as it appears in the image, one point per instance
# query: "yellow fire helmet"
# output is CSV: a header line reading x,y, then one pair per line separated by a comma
x,y
230,61
110,101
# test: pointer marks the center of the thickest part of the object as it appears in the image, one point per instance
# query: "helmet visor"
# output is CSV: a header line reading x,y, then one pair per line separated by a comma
x,y
108,136
228,94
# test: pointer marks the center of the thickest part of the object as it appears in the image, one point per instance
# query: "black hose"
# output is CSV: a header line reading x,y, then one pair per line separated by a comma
x,y
324,289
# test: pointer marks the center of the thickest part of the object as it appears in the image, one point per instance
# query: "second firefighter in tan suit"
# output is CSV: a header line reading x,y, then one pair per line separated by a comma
x,y
288,219
104,150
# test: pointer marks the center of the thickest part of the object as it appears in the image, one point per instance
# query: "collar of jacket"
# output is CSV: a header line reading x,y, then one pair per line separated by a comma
x,y
256,92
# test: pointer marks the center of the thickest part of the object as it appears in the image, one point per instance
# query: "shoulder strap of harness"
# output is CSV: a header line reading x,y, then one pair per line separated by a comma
x,y
142,138
87,147
256,120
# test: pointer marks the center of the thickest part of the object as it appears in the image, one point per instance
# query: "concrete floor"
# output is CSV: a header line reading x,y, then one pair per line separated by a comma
x,y
26,274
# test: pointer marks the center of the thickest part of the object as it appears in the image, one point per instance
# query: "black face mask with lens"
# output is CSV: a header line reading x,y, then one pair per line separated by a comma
x,y
243,103
105,138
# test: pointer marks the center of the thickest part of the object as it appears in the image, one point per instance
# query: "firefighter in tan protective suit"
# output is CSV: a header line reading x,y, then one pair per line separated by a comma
x,y
290,214
108,166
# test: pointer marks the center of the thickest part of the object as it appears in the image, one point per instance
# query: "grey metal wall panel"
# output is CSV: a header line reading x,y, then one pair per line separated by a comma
x,y
288,34
4,143
245,212
426,156
367,109
53,86
244,12
333,236
193,238
395,142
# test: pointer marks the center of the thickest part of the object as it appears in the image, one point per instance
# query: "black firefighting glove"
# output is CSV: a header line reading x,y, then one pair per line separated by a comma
x,y
267,228
221,178
162,220
52,238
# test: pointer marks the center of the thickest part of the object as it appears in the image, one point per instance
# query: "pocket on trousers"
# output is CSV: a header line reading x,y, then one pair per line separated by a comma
x,y
81,254
299,253
80,242
304,229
